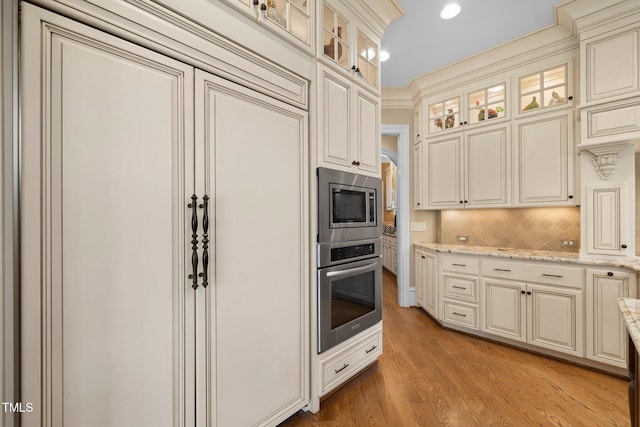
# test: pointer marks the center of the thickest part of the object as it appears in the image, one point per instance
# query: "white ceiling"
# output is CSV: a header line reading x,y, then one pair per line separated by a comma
x,y
420,41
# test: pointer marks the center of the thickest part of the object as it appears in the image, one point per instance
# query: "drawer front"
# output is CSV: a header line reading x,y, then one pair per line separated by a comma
x,y
615,120
461,264
346,363
460,287
461,314
560,275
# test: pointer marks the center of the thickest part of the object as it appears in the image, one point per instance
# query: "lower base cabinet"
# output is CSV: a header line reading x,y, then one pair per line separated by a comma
x,y
426,281
606,331
569,310
343,362
545,316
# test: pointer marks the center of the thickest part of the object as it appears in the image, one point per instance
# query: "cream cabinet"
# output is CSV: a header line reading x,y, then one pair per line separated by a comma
x,y
348,45
426,281
545,89
418,176
390,253
607,221
544,160
458,288
293,20
417,124
545,316
606,332
540,304
133,287
348,125
471,169
610,64
475,105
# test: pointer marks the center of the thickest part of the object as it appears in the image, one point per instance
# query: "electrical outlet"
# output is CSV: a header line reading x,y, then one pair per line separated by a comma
x,y
568,243
463,239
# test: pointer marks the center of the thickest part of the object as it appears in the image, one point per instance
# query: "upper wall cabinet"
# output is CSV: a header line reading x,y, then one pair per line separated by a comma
x,y
610,66
291,19
348,45
478,105
348,125
544,89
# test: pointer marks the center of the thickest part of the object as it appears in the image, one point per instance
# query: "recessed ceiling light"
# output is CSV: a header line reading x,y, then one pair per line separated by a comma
x,y
384,55
450,11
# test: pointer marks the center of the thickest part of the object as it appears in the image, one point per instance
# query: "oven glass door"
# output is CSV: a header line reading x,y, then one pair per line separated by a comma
x,y
349,300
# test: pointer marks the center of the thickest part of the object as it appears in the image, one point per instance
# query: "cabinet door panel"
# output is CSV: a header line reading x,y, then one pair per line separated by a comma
x,y
543,160
111,299
256,307
617,56
606,220
368,133
555,319
504,312
443,173
418,173
487,168
606,332
336,119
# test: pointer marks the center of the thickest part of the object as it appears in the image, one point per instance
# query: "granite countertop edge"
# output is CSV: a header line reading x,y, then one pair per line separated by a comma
x,y
630,309
527,254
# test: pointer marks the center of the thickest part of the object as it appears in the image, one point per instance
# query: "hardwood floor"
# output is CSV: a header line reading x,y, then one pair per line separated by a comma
x,y
430,376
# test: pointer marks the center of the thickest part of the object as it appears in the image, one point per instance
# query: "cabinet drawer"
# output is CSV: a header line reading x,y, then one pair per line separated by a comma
x,y
461,314
562,275
346,363
461,264
460,287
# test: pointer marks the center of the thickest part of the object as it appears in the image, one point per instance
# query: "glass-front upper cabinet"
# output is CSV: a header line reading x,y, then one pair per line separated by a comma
x,y
474,106
291,18
487,103
347,43
444,115
368,53
544,89
335,44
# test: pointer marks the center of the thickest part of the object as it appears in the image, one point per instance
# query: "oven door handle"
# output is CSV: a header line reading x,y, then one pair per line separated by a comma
x,y
351,271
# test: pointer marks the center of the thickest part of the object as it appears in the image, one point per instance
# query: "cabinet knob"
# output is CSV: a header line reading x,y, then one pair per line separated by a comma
x,y
522,292
609,273
570,98
461,202
466,202
423,257
624,246
528,292
256,2
263,7
465,122
418,203
571,196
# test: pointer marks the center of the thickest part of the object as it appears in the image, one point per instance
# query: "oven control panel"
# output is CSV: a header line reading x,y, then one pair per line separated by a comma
x,y
347,252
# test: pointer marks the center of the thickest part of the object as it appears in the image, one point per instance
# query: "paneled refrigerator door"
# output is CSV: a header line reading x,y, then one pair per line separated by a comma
x,y
252,318
107,161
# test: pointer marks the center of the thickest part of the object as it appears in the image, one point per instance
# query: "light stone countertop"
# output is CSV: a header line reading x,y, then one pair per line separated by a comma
x,y
631,312
527,254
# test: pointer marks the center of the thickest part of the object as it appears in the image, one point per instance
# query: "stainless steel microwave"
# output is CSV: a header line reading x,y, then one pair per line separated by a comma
x,y
349,206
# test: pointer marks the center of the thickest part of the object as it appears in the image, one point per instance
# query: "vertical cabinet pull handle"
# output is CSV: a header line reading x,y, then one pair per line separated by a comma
x,y
194,241
205,242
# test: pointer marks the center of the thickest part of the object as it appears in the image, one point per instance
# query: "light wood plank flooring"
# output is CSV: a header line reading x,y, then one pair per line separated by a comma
x,y
430,376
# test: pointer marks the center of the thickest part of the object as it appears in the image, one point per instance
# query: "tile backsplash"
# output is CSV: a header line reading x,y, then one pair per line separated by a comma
x,y
523,228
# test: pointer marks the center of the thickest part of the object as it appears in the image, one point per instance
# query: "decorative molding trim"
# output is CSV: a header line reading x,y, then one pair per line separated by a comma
x,y
605,156
396,97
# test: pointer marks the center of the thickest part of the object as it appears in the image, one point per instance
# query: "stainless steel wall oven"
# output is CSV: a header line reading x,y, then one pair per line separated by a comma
x,y
349,249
